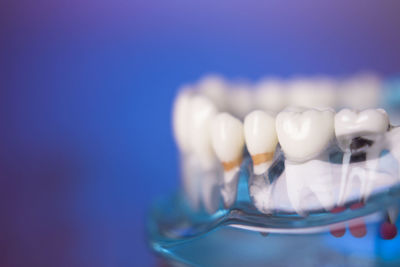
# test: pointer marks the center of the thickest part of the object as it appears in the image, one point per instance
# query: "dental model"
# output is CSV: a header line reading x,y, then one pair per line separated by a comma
x,y
202,113
303,135
215,88
228,143
317,93
269,94
261,139
241,100
355,132
192,116
360,92
181,118
303,173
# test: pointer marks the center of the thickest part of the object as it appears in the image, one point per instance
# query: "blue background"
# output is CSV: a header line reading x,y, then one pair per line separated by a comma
x,y
86,89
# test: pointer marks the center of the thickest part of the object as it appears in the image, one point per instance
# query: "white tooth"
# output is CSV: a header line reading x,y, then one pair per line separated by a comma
x,y
240,100
261,139
350,124
270,95
215,88
304,134
228,142
370,123
361,92
202,112
311,178
181,118
227,137
316,93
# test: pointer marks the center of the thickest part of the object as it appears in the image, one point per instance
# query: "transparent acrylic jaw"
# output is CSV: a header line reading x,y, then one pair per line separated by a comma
x,y
341,174
353,189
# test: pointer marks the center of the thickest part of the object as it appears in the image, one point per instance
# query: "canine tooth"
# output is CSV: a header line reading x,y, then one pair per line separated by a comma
x,y
228,142
215,88
270,95
303,133
181,118
202,112
350,124
261,139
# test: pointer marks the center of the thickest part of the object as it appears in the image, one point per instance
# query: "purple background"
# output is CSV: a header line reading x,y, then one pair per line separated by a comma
x,y
86,89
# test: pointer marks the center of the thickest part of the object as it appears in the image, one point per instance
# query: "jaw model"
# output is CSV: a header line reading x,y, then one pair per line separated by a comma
x,y
356,131
305,179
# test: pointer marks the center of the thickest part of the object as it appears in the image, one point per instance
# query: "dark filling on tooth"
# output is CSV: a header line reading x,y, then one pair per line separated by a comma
x,y
360,143
358,157
357,147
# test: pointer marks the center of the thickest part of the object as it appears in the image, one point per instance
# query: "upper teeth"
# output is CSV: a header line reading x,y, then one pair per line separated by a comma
x,y
214,87
318,93
361,92
241,100
261,139
304,134
269,95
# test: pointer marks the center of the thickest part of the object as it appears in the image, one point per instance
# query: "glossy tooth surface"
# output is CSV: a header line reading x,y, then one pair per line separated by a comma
x,y
228,143
202,112
352,123
270,95
227,138
303,134
181,118
261,139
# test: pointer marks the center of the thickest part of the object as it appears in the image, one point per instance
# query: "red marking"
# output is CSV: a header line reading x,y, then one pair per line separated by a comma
x,y
388,231
338,209
358,228
338,232
357,206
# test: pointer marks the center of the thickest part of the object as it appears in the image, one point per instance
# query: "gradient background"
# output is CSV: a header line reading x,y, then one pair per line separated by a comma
x,y
86,89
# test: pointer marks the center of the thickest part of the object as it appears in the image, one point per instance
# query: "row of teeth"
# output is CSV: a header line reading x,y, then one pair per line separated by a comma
x,y
239,98
204,133
303,133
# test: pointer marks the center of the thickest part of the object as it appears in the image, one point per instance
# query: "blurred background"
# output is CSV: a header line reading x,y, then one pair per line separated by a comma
x,y
86,89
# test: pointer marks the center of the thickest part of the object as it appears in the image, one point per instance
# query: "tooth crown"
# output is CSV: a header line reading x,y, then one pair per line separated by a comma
x,y
304,134
227,137
181,118
201,114
260,133
352,123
